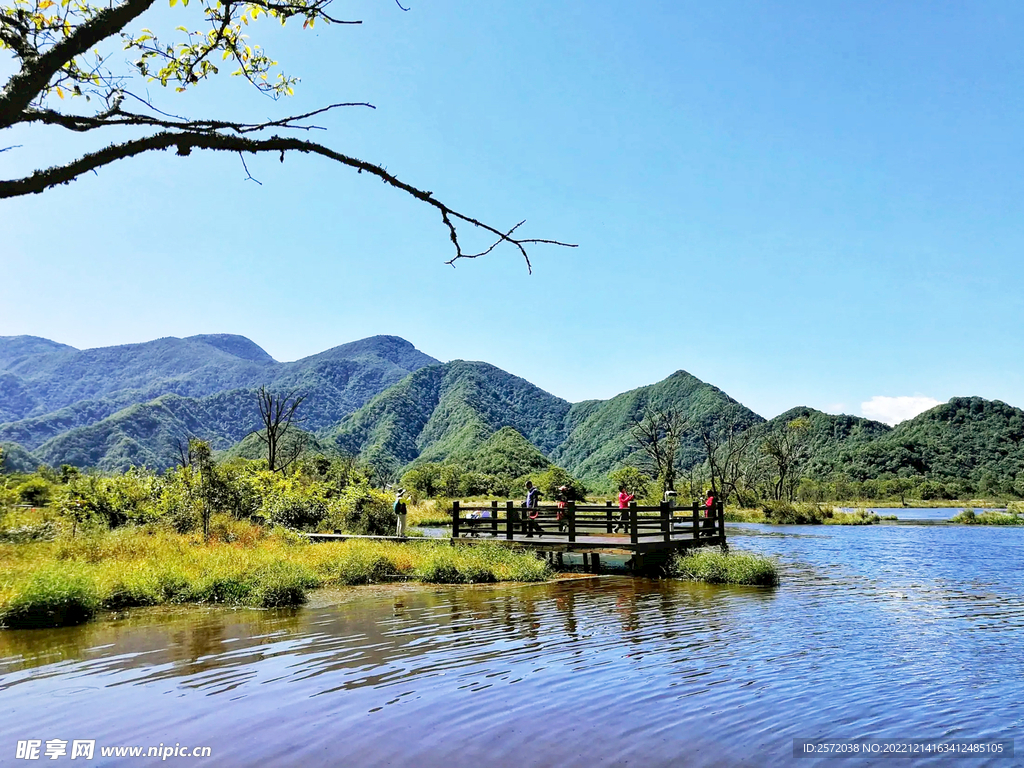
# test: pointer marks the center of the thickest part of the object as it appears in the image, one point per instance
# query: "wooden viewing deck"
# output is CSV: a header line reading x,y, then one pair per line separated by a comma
x,y
648,535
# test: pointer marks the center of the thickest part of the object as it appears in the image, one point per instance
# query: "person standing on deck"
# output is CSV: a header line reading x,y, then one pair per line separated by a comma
x,y
624,499
563,502
709,509
531,510
400,511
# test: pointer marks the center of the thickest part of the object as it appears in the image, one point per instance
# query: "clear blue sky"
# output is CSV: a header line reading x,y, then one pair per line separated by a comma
x,y
801,203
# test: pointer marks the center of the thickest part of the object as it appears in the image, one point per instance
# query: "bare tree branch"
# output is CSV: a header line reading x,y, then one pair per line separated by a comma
x,y
186,142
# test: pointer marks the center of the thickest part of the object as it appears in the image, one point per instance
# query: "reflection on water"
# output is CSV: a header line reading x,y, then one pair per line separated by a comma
x,y
875,632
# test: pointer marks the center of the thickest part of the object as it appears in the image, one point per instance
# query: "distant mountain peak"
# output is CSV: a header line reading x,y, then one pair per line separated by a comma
x,y
236,345
394,349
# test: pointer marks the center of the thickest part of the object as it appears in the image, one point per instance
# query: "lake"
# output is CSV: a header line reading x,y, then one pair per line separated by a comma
x,y
876,631
923,513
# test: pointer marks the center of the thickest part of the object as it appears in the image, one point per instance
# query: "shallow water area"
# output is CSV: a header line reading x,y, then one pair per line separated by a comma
x,y
877,631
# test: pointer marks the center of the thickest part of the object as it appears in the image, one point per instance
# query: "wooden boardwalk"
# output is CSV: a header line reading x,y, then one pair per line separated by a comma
x,y
648,535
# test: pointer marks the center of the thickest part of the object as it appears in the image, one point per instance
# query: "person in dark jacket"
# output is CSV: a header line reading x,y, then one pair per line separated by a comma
x,y
531,511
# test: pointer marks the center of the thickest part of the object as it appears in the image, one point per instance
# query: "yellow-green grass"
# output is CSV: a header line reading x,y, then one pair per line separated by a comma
x,y
713,565
430,512
970,517
802,514
744,515
856,517
66,581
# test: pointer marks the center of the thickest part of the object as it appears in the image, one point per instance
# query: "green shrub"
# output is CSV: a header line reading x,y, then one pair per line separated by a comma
x,y
967,517
715,566
172,586
280,584
364,510
296,506
857,517
217,588
128,592
787,513
35,491
54,597
45,530
439,567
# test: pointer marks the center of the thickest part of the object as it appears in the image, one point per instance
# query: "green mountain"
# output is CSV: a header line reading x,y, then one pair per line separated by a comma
x,y
458,410
598,432
447,412
16,459
393,406
251,447
507,453
828,439
966,438
117,406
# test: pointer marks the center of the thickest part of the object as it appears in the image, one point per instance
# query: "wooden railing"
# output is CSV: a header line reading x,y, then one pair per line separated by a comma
x,y
513,521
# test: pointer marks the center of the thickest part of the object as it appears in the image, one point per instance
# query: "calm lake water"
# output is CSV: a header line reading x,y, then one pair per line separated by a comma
x,y
886,632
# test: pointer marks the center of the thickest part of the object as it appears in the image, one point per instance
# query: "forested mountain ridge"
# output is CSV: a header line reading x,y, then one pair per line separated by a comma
x,y
826,440
965,438
599,437
448,411
391,405
135,401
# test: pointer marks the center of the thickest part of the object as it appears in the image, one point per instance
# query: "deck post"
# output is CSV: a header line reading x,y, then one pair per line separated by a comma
x,y
696,521
455,519
570,510
494,519
634,537
509,512
595,562
609,514
721,521
666,520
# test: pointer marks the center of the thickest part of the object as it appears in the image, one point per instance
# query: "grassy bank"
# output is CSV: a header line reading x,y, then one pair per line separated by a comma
x,y
784,513
970,517
67,581
714,566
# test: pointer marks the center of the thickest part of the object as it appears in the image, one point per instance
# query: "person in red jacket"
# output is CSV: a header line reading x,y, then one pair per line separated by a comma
x,y
624,499
709,508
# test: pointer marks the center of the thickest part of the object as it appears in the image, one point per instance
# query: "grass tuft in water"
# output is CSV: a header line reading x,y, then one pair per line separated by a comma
x,y
970,517
52,597
715,566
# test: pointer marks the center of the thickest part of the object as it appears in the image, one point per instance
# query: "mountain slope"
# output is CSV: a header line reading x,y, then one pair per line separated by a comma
x,y
102,428
829,439
448,411
600,437
962,439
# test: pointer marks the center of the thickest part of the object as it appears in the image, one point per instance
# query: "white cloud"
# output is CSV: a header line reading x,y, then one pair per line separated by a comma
x,y
893,410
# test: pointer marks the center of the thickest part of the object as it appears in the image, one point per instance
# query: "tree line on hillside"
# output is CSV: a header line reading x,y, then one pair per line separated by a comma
x,y
292,485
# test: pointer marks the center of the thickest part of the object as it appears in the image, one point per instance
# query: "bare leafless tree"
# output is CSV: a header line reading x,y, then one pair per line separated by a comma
x,y
658,433
727,448
786,447
278,413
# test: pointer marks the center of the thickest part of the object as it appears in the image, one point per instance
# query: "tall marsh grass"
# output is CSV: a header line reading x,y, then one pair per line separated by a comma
x,y
970,517
66,581
716,566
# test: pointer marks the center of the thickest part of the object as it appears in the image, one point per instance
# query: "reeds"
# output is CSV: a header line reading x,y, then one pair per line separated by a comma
x,y
68,580
713,565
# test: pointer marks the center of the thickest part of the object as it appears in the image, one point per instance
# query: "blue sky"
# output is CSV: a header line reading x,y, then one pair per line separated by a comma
x,y
801,203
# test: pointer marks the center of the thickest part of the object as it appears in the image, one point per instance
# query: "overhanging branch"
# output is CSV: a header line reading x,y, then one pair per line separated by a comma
x,y
186,142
